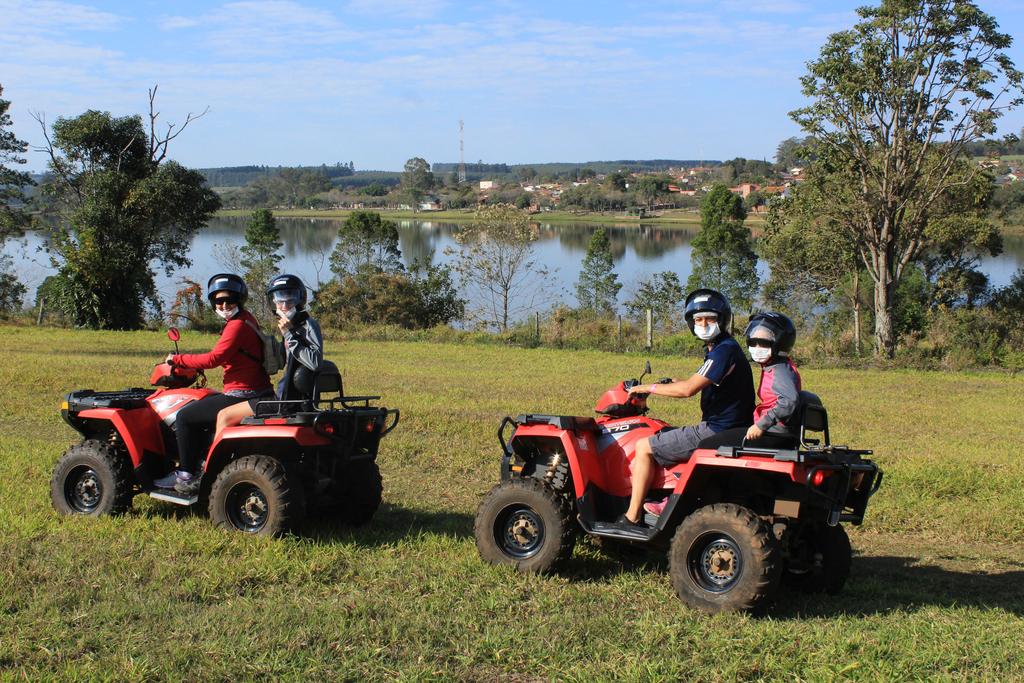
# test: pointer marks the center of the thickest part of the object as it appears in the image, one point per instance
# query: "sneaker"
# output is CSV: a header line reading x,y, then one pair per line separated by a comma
x,y
187,485
656,507
173,479
624,522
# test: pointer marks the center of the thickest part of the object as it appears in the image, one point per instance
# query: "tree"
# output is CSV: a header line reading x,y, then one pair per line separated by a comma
x,y
598,284
12,292
896,101
662,293
366,244
417,180
13,218
650,187
791,152
122,209
260,255
812,250
496,263
723,256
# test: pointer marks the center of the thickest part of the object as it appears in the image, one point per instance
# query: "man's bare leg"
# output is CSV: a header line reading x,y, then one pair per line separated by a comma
x,y
643,467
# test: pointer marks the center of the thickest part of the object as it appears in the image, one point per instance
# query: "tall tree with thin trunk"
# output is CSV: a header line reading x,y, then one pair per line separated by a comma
x,y
13,218
496,263
260,256
895,102
598,285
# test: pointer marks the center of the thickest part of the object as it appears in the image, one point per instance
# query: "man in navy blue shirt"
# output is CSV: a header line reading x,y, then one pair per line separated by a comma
x,y
726,388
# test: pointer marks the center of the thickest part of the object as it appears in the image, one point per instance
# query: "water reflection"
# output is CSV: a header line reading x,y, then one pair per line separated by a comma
x,y
638,251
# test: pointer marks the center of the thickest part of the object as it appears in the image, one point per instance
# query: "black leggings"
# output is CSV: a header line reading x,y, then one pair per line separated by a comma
x,y
194,425
734,437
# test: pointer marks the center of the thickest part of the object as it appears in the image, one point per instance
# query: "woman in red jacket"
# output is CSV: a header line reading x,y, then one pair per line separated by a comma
x,y
239,351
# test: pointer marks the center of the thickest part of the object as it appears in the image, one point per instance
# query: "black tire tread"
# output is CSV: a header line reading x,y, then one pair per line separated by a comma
x,y
535,493
763,548
104,455
363,492
287,498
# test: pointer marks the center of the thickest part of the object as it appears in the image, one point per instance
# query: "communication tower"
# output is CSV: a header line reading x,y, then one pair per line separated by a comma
x,y
462,157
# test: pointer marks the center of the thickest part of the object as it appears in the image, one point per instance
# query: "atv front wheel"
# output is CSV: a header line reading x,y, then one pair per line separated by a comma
x,y
524,523
820,560
255,495
723,559
92,478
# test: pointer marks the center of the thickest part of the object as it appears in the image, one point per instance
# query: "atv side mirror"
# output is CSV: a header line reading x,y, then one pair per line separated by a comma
x,y
647,367
174,335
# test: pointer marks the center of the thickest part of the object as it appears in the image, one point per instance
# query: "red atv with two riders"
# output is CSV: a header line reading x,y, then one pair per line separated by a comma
x,y
259,477
737,520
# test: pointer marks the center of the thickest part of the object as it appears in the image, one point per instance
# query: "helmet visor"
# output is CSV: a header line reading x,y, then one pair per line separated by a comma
x,y
287,297
762,332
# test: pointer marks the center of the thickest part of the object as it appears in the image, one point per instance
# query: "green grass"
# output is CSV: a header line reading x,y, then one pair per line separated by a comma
x,y
936,590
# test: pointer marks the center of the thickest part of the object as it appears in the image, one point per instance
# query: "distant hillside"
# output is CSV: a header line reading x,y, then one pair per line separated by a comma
x,y
478,171
238,176
345,174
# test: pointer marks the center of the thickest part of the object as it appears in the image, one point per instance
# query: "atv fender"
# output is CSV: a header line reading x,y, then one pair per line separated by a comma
x,y
137,428
579,447
259,439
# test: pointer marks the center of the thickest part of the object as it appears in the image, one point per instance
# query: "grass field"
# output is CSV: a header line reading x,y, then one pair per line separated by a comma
x,y
936,592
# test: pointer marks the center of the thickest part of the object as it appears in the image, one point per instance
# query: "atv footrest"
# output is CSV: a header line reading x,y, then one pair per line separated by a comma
x,y
612,530
171,496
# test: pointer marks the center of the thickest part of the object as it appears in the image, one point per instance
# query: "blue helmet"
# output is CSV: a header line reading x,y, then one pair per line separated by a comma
x,y
285,287
227,282
708,301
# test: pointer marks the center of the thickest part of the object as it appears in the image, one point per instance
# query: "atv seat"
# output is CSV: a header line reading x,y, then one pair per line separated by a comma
x,y
328,381
813,418
810,416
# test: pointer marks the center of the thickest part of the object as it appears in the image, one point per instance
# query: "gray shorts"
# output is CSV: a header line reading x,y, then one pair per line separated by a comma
x,y
673,446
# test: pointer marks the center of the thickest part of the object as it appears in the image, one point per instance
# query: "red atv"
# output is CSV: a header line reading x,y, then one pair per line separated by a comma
x,y
258,477
737,520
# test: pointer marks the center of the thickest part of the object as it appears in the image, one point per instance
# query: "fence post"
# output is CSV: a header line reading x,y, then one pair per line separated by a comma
x,y
650,329
39,318
536,326
619,346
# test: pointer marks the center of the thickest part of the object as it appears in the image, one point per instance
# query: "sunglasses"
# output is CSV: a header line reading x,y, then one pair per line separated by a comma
x,y
224,301
762,343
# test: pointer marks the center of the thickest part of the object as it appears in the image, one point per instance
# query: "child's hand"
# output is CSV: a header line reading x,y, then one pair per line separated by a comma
x,y
754,432
284,324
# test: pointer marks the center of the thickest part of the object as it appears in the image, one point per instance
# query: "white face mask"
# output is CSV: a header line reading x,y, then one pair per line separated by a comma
x,y
759,353
706,333
227,313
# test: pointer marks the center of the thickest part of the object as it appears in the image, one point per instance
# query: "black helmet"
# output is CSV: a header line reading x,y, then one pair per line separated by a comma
x,y
287,284
708,301
227,282
781,329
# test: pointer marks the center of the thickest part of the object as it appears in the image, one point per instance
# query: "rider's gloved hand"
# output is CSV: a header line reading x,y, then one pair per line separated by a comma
x,y
665,380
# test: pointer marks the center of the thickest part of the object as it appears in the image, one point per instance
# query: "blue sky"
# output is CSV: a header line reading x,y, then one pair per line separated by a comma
x,y
309,82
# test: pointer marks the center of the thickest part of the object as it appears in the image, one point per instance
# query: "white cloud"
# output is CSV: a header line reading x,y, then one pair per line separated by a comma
x,y
29,16
398,9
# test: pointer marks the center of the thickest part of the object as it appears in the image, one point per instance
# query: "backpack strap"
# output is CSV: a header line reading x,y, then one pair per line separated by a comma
x,y
259,337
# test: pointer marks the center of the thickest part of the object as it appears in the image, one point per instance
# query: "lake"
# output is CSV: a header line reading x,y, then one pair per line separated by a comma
x,y
639,250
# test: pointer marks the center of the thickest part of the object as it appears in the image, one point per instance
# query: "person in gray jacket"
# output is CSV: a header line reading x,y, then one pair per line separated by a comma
x,y
303,344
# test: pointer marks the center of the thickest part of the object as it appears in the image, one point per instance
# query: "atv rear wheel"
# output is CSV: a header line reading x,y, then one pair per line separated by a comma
x,y
820,560
92,478
524,523
255,495
361,493
723,559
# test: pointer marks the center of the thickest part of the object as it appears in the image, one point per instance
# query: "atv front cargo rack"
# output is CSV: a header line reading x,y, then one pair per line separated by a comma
x,y
126,399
